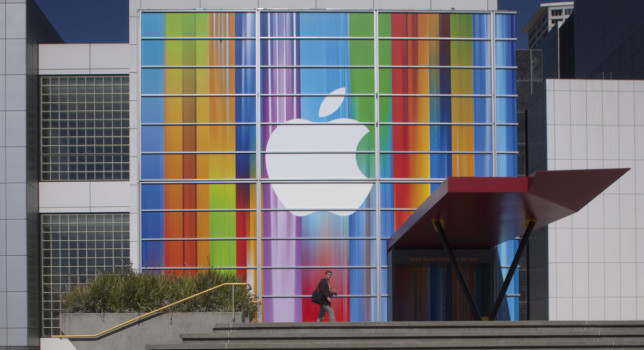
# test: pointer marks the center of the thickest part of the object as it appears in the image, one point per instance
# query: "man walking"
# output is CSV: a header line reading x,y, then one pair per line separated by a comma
x,y
325,290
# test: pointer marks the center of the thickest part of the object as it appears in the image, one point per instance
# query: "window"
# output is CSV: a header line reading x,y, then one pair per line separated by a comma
x,y
557,12
75,247
84,123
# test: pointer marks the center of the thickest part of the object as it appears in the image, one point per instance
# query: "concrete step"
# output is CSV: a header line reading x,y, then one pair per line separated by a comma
x,y
416,333
430,324
419,335
518,343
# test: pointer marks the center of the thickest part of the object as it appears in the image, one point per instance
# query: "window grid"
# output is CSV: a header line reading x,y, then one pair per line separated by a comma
x,y
76,247
491,67
84,126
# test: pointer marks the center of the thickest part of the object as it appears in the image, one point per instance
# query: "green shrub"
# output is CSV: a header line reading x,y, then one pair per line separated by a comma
x,y
133,292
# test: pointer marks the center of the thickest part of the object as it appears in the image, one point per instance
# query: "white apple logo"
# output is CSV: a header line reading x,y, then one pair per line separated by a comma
x,y
332,156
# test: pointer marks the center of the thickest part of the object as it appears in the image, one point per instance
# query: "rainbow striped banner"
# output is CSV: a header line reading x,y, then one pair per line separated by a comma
x,y
215,86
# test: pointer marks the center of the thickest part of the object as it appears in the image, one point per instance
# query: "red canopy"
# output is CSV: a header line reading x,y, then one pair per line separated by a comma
x,y
481,212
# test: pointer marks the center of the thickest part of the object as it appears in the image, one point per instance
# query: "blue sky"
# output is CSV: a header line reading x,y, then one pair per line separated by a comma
x,y
88,21
106,21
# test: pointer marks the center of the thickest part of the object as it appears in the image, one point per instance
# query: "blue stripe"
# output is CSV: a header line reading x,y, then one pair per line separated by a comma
x,y
152,110
152,52
152,81
483,165
152,139
152,197
152,166
482,110
481,26
152,24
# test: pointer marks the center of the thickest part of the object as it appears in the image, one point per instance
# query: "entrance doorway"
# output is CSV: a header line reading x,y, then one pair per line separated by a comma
x,y
428,288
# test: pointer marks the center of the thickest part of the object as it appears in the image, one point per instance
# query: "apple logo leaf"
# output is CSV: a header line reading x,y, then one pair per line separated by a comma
x,y
332,102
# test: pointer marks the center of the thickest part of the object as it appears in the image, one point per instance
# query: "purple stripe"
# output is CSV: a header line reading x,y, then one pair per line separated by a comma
x,y
280,109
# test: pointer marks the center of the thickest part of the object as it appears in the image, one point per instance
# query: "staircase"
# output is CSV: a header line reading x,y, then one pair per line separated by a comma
x,y
419,335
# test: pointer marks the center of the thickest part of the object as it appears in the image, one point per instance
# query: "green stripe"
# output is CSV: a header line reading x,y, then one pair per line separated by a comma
x,y
222,225
461,51
361,52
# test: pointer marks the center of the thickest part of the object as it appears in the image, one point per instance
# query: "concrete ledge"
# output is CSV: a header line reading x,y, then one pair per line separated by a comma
x,y
163,328
83,59
86,196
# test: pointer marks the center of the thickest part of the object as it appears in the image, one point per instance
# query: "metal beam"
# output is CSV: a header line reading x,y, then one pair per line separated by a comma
x,y
513,267
456,268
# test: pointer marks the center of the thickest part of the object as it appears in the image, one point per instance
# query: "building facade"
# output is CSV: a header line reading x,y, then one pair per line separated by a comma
x,y
270,140
22,28
84,192
594,257
592,260
277,141
612,46
548,16
279,144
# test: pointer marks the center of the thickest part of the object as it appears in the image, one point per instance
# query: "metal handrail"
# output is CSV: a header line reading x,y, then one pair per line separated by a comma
x,y
110,330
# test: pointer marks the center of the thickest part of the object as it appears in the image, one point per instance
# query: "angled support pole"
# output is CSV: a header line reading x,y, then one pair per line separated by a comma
x,y
513,267
456,268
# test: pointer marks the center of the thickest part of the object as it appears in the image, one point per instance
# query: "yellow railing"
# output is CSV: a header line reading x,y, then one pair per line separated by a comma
x,y
110,330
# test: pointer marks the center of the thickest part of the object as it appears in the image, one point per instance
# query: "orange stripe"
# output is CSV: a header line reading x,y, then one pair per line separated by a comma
x,y
203,225
189,224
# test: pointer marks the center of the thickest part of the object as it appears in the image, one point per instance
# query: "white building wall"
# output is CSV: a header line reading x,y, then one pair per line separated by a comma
x,y
84,197
15,291
596,256
135,163
97,196
61,59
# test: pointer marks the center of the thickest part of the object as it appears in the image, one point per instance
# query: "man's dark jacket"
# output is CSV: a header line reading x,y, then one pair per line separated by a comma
x,y
323,288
